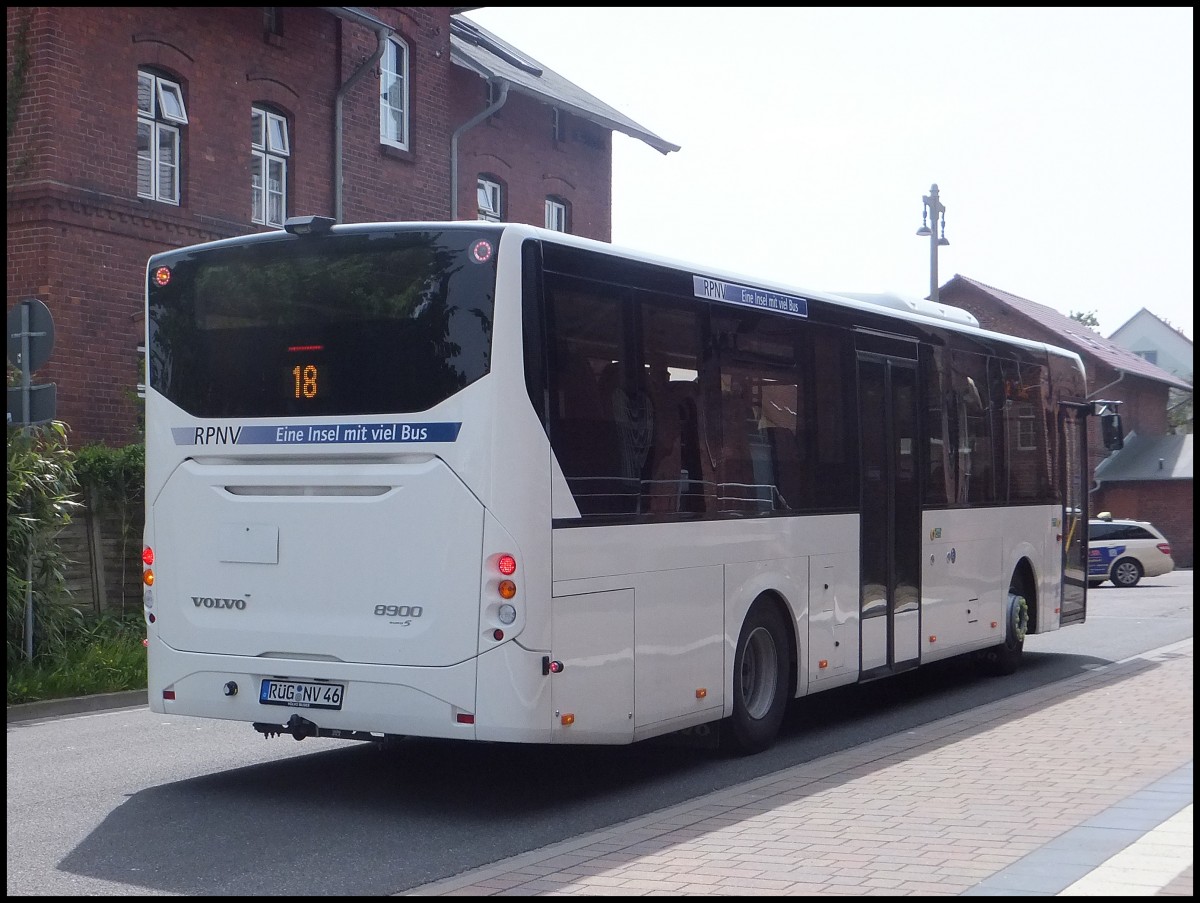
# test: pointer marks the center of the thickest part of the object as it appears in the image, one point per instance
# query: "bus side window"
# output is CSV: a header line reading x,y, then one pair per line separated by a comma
x,y
584,437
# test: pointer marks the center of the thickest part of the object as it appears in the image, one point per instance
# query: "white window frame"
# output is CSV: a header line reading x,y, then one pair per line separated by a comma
x,y
270,148
161,110
1026,428
393,95
490,200
556,215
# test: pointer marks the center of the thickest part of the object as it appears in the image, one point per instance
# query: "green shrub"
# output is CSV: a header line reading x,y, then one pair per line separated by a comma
x,y
104,655
42,495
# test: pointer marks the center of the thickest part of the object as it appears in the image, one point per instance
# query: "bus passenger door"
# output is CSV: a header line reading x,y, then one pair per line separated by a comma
x,y
890,600
1072,437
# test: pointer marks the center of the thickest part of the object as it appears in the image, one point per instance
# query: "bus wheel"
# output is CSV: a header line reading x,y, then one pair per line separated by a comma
x,y
1003,658
760,682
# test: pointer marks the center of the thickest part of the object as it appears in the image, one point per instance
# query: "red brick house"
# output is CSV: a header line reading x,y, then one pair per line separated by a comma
x,y
132,130
1130,484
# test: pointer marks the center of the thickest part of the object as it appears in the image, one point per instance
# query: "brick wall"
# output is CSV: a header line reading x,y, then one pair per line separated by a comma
x,y
1160,503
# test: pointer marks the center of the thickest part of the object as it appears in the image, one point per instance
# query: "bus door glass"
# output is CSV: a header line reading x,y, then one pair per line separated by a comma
x,y
1072,429
891,514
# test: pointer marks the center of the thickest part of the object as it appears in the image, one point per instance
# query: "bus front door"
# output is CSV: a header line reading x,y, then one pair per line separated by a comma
x,y
1072,437
890,598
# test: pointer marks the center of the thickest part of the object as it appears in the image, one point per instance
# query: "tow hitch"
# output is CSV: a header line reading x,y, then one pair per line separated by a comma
x,y
301,727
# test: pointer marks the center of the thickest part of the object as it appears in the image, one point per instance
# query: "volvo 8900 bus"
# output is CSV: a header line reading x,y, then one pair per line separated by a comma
x,y
489,482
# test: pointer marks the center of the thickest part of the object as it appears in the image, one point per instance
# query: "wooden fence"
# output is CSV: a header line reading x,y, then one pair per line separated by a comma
x,y
104,554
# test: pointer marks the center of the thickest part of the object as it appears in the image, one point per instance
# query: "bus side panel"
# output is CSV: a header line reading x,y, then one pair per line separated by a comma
x,y
514,697
967,563
679,650
833,641
593,694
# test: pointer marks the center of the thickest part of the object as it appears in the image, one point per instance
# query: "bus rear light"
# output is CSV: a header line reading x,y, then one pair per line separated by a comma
x,y
148,577
567,720
464,718
507,589
150,617
995,624
147,556
701,693
168,694
506,613
162,276
497,634
507,565
933,637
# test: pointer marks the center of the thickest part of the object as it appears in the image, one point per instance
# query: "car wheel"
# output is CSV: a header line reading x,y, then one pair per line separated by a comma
x,y
760,681
1126,572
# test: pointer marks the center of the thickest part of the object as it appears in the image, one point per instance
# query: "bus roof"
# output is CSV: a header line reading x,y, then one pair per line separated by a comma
x,y
918,310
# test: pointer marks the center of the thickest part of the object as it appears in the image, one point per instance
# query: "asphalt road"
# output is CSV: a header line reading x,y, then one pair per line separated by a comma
x,y
127,802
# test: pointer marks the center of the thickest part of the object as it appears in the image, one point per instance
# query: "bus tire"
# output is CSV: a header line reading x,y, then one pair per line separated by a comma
x,y
1003,658
760,681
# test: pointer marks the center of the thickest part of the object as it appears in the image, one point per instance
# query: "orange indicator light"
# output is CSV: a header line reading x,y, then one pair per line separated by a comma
x,y
567,720
701,693
148,577
508,589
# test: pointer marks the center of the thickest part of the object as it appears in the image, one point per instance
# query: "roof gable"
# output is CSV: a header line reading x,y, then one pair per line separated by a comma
x,y
1074,335
1149,458
477,49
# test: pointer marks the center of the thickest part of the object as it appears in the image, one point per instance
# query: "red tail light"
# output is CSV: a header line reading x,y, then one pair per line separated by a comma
x,y
1164,547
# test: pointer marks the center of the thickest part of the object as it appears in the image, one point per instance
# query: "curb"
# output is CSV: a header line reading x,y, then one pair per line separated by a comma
x,y
50,708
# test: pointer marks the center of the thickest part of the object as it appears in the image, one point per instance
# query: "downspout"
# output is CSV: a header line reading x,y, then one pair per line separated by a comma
x,y
469,124
382,32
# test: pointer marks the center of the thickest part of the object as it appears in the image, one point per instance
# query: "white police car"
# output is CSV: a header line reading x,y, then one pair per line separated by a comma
x,y
1125,551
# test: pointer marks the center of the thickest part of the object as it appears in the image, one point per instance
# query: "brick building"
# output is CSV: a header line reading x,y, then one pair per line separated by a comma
x,y
132,130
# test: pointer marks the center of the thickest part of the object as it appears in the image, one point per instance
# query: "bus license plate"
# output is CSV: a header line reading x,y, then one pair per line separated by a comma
x,y
301,695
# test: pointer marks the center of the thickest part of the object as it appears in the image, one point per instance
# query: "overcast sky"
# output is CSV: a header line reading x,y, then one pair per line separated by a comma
x,y
1060,140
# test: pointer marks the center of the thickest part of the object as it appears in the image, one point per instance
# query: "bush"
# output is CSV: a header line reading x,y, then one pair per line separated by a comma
x,y
42,494
104,655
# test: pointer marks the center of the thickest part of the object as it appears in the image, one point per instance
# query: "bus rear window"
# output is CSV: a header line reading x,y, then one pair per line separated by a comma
x,y
341,324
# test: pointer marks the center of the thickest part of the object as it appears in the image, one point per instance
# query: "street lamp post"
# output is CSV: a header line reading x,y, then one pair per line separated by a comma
x,y
934,209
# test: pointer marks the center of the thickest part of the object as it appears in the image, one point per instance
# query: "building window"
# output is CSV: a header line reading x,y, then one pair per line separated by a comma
x,y
489,200
160,113
556,214
1148,356
1027,428
558,125
272,24
270,149
393,95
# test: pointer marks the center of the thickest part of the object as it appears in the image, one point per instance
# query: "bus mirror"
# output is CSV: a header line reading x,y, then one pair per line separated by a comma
x,y
1110,429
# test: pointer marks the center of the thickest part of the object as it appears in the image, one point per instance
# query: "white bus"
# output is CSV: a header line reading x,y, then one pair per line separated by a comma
x,y
489,482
